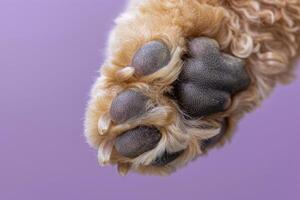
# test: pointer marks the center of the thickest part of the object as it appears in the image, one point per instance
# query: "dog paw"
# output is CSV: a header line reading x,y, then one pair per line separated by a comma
x,y
204,86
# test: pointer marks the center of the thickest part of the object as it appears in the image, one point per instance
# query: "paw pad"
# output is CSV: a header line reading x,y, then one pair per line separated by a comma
x,y
137,141
150,58
127,105
208,79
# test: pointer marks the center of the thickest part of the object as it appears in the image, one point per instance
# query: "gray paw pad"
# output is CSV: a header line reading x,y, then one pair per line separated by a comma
x,y
208,79
150,58
137,141
127,105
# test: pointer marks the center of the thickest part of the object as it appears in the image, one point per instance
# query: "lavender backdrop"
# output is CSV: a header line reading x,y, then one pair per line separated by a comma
x,y
50,51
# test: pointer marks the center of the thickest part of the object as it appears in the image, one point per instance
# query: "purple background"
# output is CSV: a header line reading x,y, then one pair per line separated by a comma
x,y
50,51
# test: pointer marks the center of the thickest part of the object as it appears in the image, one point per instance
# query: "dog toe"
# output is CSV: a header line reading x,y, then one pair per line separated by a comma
x,y
137,141
150,58
127,105
202,46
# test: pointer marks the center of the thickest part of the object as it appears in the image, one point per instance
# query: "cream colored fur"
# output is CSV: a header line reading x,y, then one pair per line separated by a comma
x,y
264,32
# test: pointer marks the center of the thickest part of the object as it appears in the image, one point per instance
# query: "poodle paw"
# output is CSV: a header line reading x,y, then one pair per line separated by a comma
x,y
143,135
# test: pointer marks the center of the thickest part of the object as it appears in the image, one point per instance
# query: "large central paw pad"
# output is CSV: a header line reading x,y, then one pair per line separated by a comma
x,y
208,80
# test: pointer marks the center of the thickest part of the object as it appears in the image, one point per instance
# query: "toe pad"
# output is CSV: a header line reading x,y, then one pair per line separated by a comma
x,y
150,58
137,141
127,105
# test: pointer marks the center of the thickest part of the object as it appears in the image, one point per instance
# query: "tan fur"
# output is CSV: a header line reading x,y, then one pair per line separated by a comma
x,y
264,32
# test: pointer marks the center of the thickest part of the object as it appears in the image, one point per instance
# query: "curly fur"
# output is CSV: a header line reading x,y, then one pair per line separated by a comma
x,y
264,32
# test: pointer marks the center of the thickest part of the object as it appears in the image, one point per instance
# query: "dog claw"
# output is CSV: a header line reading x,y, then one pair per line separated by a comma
x,y
104,124
125,74
123,168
